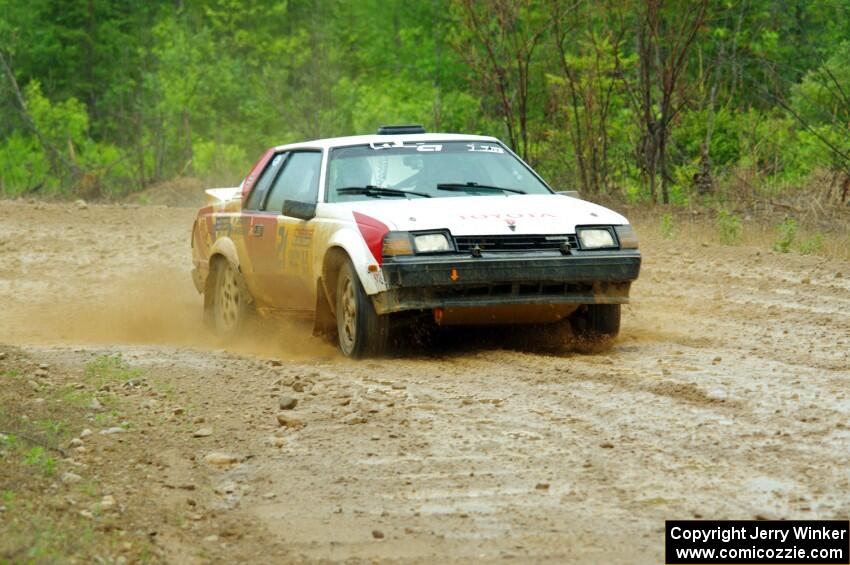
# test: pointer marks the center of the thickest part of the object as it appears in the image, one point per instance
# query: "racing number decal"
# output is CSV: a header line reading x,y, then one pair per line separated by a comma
x,y
293,252
280,247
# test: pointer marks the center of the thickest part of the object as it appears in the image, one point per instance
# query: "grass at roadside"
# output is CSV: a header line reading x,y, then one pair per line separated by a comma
x,y
49,510
782,235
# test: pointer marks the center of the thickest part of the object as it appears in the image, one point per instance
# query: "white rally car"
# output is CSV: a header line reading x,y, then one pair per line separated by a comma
x,y
367,234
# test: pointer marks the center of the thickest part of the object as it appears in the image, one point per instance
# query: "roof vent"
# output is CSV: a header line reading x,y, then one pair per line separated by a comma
x,y
400,130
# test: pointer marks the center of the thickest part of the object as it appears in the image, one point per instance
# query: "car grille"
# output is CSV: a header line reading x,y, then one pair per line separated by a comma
x,y
498,243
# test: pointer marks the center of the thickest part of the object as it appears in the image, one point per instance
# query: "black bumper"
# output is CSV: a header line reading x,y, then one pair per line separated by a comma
x,y
426,282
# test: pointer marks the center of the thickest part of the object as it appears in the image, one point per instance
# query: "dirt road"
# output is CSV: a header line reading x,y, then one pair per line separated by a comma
x,y
726,397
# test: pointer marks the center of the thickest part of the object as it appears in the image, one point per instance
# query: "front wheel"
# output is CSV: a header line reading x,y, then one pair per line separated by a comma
x,y
596,321
362,331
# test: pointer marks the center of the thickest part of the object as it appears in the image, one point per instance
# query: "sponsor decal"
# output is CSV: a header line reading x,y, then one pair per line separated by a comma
x,y
508,216
484,148
386,144
227,225
378,277
303,237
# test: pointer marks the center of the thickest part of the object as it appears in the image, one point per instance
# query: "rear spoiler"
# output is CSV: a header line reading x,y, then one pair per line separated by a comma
x,y
216,195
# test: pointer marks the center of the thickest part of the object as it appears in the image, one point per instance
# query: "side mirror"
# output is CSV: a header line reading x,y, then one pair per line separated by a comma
x,y
300,210
570,193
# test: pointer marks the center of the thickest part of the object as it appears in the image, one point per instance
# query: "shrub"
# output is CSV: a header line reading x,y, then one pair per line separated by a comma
x,y
812,245
667,225
730,228
218,163
787,233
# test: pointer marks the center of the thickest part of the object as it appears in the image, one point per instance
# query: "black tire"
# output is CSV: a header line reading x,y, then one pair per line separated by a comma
x,y
362,332
231,302
596,321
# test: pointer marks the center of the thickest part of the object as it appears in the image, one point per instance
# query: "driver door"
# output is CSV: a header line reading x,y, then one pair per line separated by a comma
x,y
258,229
284,272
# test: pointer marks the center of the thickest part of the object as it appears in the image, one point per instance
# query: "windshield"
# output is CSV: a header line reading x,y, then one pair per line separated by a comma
x,y
430,169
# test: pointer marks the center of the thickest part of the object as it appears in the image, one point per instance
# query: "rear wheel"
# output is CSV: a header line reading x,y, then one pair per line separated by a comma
x,y
362,331
596,321
231,302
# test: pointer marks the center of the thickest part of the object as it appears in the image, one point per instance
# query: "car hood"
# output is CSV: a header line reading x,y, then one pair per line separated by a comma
x,y
489,215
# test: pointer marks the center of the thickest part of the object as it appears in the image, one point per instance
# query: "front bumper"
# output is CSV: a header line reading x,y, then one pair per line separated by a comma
x,y
458,281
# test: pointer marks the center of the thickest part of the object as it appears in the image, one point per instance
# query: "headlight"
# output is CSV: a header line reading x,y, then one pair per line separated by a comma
x,y
431,243
596,238
406,243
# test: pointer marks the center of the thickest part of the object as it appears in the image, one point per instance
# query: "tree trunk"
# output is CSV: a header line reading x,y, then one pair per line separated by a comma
x,y
662,163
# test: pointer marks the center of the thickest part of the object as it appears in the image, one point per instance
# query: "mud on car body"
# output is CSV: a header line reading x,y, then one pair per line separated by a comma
x,y
365,234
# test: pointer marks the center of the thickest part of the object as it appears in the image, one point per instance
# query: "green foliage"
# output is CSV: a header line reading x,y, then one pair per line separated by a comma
x,y
37,457
667,225
52,427
591,104
787,234
27,165
125,95
213,161
9,441
725,146
23,166
74,397
812,244
821,101
61,123
107,369
729,227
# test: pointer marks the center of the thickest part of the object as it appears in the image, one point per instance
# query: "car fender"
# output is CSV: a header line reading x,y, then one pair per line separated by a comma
x,y
226,247
349,239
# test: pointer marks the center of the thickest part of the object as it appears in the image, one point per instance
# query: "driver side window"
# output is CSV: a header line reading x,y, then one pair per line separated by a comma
x,y
299,181
258,195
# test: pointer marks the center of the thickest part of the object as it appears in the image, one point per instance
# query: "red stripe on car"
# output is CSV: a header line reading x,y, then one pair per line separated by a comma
x,y
373,232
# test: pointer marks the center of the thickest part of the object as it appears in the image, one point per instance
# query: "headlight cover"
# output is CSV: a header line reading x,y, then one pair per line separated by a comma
x,y
627,236
397,243
432,243
596,238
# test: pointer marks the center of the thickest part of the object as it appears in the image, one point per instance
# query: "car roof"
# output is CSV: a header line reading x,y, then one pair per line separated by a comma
x,y
367,139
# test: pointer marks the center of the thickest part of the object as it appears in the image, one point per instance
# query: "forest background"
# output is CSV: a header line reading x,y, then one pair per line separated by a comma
x,y
688,103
